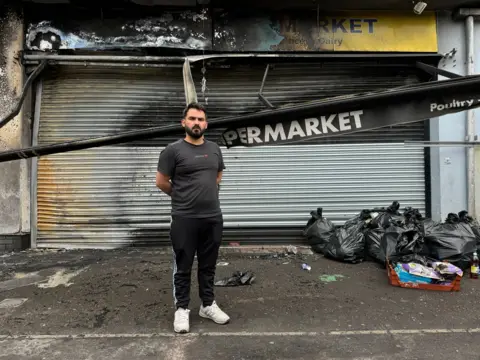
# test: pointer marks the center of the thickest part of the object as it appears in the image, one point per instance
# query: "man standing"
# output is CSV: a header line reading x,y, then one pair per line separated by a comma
x,y
189,171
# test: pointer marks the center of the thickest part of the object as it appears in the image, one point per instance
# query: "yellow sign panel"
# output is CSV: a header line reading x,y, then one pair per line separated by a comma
x,y
360,31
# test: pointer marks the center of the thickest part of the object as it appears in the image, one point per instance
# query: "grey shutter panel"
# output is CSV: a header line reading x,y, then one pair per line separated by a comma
x,y
106,197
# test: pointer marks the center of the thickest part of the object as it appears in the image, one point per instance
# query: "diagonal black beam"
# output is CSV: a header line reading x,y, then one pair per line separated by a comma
x,y
453,87
436,71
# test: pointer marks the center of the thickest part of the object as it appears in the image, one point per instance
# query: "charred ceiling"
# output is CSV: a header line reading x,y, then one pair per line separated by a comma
x,y
201,25
275,4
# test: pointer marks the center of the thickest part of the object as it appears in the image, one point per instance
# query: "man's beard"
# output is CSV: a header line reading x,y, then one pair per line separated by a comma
x,y
195,134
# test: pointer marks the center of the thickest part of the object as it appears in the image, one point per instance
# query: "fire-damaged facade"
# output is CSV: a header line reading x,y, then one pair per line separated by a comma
x,y
108,70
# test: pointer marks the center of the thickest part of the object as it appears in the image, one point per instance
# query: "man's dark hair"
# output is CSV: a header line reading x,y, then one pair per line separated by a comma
x,y
196,106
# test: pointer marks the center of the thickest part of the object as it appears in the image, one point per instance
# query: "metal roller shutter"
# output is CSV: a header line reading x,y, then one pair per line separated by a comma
x,y
106,197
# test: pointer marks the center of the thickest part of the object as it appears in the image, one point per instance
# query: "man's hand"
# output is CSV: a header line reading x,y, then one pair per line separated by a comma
x,y
219,177
163,183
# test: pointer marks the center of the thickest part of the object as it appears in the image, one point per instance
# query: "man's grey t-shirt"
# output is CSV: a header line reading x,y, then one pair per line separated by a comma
x,y
193,170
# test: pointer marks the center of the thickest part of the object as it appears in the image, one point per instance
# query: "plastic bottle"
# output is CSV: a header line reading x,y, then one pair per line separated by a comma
x,y
306,267
474,266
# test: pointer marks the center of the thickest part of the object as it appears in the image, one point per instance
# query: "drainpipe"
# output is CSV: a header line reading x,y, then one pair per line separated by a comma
x,y
469,16
469,26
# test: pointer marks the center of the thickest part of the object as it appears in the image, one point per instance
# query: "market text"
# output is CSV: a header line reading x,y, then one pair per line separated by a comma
x,y
296,130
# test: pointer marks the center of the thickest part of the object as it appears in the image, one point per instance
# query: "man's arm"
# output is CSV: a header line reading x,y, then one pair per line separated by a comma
x,y
165,169
163,183
221,166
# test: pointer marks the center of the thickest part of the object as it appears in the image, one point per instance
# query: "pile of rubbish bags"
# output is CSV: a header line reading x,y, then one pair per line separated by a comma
x,y
400,237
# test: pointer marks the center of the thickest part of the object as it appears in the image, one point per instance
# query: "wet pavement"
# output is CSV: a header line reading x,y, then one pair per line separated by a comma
x,y
117,304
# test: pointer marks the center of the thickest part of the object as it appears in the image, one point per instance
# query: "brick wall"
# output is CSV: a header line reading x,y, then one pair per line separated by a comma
x,y
9,243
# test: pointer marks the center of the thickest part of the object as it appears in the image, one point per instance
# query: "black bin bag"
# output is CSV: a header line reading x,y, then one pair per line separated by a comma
x,y
453,241
408,225
363,217
402,242
474,225
348,244
387,216
373,240
318,231
413,216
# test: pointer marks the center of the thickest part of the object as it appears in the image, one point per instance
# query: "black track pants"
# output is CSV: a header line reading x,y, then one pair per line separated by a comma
x,y
190,236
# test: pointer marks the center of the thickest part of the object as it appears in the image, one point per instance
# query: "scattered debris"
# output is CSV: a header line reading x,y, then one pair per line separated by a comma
x,y
47,250
21,280
12,303
417,276
438,273
292,250
223,264
421,271
271,256
22,275
306,267
238,278
330,278
60,278
445,268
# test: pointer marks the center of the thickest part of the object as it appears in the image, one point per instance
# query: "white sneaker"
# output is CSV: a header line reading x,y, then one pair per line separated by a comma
x,y
214,313
182,321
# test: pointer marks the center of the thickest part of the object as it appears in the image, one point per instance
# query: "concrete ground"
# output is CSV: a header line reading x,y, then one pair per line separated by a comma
x,y
117,304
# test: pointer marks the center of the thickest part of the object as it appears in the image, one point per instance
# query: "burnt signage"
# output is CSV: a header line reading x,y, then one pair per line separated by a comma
x,y
345,122
184,29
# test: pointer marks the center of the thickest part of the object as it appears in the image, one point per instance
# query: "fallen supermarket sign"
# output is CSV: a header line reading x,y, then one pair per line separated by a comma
x,y
453,105
295,123
345,122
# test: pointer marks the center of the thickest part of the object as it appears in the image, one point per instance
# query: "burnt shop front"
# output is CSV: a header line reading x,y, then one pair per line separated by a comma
x,y
106,197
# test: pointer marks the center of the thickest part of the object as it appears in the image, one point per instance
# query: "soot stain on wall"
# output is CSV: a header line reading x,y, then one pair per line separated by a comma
x,y
173,29
10,78
11,40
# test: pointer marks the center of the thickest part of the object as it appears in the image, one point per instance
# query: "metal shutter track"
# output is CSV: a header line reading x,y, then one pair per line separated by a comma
x,y
106,197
